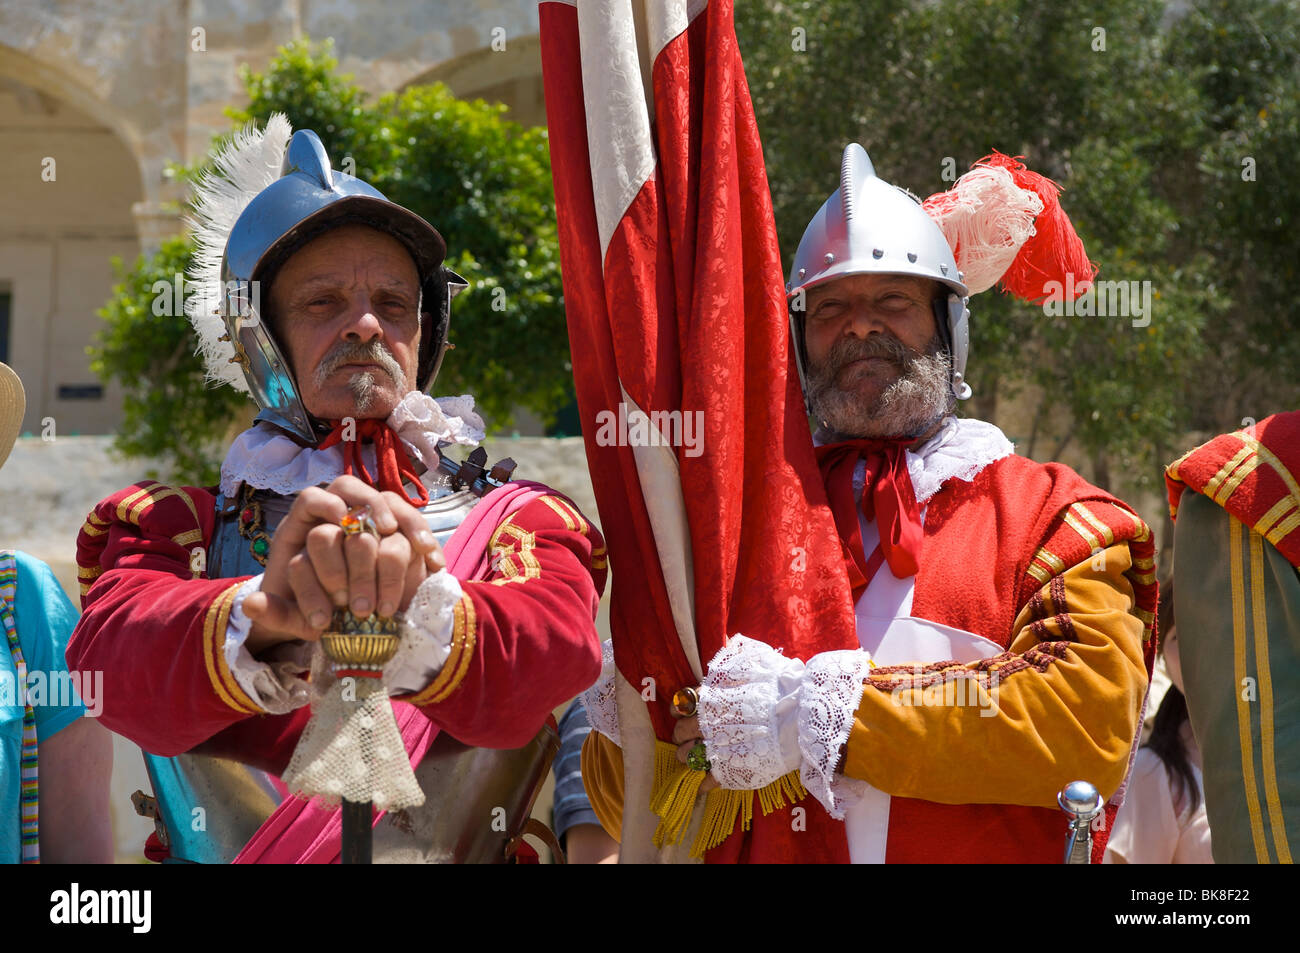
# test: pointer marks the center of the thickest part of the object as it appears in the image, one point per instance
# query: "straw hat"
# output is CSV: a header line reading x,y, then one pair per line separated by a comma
x,y
13,402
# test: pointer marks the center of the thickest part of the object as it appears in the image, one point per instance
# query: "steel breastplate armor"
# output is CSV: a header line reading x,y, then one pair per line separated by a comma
x,y
462,785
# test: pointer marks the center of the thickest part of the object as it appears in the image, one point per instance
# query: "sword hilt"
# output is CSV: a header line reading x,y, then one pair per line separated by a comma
x,y
1081,802
359,646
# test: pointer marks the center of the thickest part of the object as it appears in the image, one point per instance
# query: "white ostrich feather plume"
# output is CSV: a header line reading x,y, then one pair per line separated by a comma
x,y
986,218
244,167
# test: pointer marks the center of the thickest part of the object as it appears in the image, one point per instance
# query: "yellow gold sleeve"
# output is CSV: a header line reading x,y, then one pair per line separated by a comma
x,y
1062,704
602,776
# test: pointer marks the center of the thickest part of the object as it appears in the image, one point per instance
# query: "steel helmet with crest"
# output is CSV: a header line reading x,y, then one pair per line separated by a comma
x,y
1000,224
269,195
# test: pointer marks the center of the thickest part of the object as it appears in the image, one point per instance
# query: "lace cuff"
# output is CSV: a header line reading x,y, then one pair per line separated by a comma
x,y
599,700
748,695
833,684
426,635
272,683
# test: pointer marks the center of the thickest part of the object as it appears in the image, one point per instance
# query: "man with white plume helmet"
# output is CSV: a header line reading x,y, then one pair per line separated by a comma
x,y
1004,607
330,306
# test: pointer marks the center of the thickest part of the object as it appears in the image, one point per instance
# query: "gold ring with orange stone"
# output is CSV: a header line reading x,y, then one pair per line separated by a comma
x,y
359,520
685,702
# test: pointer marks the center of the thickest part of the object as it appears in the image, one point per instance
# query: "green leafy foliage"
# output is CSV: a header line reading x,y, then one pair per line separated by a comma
x,y
148,346
1244,56
1143,115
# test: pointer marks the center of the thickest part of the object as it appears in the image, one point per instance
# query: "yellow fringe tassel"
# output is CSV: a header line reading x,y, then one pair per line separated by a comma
x,y
676,787
673,796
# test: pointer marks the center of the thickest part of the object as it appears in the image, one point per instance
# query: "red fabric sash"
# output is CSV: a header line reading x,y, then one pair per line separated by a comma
x,y
887,496
393,462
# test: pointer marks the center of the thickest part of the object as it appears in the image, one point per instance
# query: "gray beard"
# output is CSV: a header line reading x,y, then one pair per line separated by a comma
x,y
363,390
909,407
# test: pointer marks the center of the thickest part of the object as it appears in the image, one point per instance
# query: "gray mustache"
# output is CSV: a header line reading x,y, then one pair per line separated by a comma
x,y
349,353
847,350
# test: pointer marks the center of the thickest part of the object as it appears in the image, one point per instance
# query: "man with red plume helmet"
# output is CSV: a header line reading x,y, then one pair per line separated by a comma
x,y
330,306
1004,608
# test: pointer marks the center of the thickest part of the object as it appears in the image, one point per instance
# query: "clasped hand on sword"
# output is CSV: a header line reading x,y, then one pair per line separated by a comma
x,y
314,566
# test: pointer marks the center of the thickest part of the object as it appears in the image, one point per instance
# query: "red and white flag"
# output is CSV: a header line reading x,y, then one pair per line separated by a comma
x,y
709,494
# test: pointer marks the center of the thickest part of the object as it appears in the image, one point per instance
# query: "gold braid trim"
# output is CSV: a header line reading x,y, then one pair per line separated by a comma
x,y
94,526
504,553
1268,759
132,507
1269,458
188,539
1237,573
1213,483
574,521
225,686
464,637
569,523
1087,515
1274,516
1053,563
127,503
86,576
677,786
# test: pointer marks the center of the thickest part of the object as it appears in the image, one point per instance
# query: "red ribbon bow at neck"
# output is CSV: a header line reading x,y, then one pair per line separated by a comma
x,y
887,497
392,460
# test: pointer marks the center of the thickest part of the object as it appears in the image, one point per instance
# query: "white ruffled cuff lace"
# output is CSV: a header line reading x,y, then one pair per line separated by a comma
x,y
745,706
426,635
832,688
273,682
599,700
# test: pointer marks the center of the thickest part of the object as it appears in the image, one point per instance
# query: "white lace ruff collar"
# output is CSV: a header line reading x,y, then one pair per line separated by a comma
x,y
267,458
959,451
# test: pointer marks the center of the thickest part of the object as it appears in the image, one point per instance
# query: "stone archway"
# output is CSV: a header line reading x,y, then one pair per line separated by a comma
x,y
124,64
72,192
507,70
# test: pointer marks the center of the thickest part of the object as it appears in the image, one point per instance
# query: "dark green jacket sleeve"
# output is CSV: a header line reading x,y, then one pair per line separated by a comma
x,y
1237,612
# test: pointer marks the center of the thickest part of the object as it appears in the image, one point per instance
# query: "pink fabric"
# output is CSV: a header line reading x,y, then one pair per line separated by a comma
x,y
308,832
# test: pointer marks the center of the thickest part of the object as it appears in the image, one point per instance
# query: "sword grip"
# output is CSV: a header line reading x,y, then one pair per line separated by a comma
x,y
358,833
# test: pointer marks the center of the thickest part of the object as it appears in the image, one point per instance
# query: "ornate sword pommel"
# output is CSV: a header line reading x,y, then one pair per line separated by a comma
x,y
1082,803
366,644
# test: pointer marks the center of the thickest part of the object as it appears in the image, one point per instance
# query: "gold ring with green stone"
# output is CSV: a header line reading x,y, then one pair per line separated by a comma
x,y
696,760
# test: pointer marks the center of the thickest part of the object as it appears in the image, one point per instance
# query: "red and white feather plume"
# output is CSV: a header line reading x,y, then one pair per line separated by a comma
x,y
1007,228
